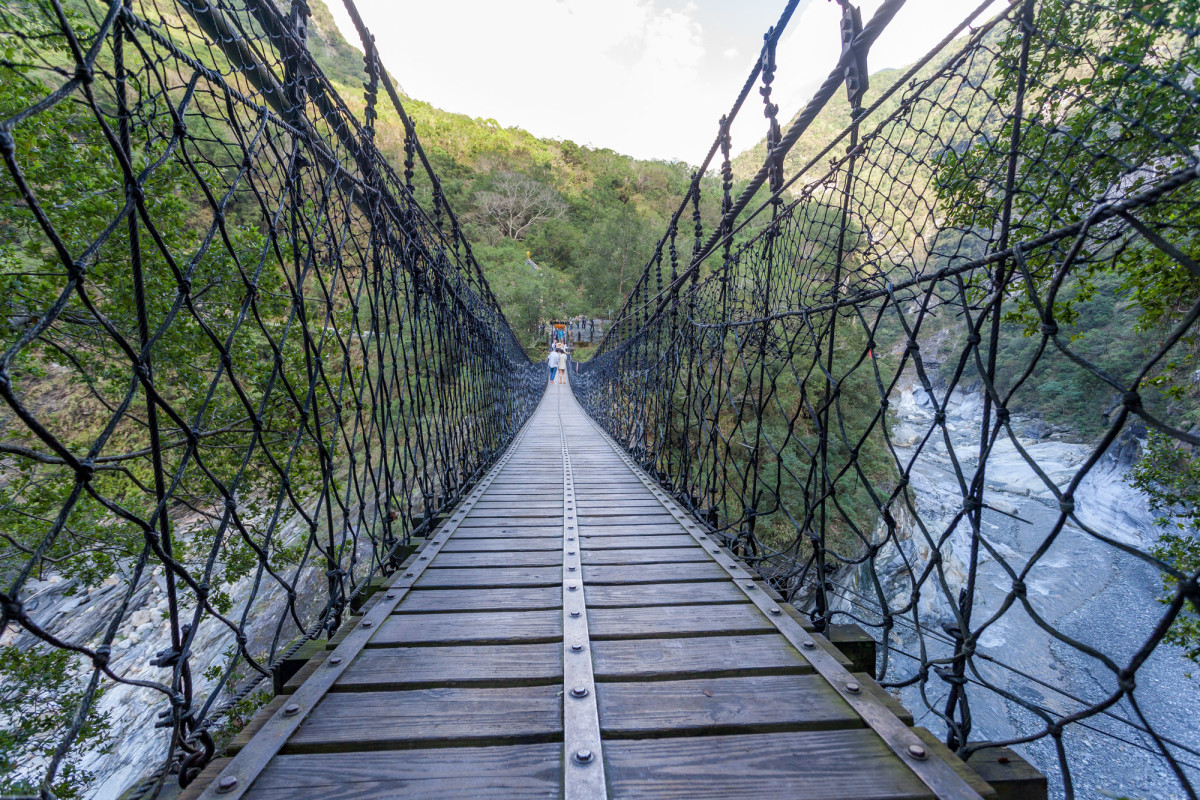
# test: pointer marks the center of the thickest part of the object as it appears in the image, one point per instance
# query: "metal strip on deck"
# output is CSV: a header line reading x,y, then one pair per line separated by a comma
x,y
935,773
583,757
607,647
239,774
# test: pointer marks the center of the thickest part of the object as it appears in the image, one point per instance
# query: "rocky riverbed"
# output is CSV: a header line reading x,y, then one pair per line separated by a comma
x,y
78,614
1085,588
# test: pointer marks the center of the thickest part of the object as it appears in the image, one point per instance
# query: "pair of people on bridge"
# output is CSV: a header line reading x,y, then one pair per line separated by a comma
x,y
557,361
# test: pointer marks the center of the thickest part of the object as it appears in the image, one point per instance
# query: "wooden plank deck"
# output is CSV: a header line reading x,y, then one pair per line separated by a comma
x,y
569,632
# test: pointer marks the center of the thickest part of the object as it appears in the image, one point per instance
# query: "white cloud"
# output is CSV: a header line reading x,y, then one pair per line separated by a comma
x,y
649,78
609,74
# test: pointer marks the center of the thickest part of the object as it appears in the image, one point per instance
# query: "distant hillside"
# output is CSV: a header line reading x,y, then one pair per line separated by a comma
x,y
595,214
832,120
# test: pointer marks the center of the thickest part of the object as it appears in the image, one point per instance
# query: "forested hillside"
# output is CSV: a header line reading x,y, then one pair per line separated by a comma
x,y
587,217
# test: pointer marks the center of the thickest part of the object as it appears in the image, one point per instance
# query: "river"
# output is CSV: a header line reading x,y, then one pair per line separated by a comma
x,y
1084,587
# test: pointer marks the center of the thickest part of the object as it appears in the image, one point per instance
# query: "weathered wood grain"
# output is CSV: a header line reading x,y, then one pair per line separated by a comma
x,y
484,578
517,772
501,544
649,518
490,520
654,573
516,558
525,598
662,594
391,668
635,542
627,529
347,721
509,532
845,764
694,656
664,555
656,621
722,705
470,626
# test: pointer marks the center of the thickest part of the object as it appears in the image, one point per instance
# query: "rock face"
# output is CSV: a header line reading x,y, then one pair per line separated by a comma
x,y
1085,587
139,747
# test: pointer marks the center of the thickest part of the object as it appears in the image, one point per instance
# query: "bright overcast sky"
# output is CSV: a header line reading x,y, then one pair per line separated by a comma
x,y
649,78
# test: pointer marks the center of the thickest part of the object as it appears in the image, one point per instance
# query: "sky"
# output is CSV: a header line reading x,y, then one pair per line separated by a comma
x,y
647,78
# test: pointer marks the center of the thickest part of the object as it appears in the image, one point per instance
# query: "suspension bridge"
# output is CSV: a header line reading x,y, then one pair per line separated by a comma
x,y
311,523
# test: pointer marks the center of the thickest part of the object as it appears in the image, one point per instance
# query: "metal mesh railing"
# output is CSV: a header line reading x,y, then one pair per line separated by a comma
x,y
936,375
244,362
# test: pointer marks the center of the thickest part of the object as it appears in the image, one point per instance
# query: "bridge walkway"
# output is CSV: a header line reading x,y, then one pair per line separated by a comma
x,y
569,632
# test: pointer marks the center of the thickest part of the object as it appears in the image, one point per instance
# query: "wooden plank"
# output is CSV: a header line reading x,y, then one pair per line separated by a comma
x,y
661,555
619,505
347,721
1006,771
499,576
722,705
517,772
514,504
627,519
530,520
509,532
779,766
201,781
707,655
653,573
629,623
256,723
518,558
470,626
503,544
632,542
626,529
662,594
391,668
526,598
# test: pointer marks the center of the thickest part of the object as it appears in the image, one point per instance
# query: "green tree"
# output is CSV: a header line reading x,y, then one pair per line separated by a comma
x,y
1170,475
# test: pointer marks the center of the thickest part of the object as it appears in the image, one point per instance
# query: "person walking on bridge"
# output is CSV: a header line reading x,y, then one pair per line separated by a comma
x,y
562,366
552,362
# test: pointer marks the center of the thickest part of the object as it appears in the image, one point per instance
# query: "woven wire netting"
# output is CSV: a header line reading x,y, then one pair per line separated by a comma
x,y
244,363
936,375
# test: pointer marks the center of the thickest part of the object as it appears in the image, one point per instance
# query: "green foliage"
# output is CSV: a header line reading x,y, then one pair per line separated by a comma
x,y
1103,331
1102,118
1170,475
39,695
